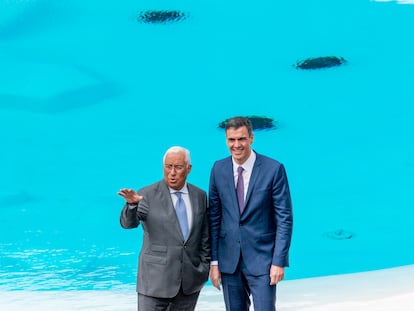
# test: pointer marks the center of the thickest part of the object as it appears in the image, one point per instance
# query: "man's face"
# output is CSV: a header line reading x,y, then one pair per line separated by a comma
x,y
239,143
175,170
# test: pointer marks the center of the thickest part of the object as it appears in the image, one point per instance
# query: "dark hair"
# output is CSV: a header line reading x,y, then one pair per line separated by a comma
x,y
238,122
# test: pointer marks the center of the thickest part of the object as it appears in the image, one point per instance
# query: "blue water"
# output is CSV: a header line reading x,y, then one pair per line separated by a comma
x,y
90,99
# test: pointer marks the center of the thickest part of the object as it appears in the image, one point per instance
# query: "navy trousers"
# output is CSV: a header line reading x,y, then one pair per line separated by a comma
x,y
238,287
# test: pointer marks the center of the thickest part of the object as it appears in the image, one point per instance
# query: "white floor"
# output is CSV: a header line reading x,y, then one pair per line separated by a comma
x,y
390,289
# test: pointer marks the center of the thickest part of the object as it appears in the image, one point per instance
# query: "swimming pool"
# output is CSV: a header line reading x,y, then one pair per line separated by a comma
x,y
90,98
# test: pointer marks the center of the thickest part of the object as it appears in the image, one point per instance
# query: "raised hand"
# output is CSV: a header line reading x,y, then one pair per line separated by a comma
x,y
130,195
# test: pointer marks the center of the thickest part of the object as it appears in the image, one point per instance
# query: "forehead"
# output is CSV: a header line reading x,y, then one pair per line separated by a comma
x,y
175,157
236,133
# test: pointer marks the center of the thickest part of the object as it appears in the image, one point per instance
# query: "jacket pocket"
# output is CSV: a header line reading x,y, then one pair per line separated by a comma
x,y
154,259
266,237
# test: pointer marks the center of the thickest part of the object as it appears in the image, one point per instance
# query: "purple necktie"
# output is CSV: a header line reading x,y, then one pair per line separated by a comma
x,y
240,188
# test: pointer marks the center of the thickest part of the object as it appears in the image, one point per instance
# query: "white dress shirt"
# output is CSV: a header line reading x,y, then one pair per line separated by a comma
x,y
247,171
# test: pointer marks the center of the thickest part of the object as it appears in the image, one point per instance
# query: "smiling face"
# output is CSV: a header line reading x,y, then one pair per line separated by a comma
x,y
239,142
176,170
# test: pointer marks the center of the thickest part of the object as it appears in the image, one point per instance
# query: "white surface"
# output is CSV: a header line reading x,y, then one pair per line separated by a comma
x,y
390,289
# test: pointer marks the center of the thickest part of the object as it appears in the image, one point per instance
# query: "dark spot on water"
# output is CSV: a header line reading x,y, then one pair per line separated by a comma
x,y
339,234
258,123
320,62
160,17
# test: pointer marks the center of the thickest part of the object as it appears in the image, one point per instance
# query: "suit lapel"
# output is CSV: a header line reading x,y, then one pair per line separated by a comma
x,y
228,176
170,210
194,206
253,178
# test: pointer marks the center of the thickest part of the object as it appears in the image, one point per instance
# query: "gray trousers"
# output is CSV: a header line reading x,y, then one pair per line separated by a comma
x,y
180,302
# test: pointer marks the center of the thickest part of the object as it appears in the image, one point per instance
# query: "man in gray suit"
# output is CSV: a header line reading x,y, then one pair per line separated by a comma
x,y
175,254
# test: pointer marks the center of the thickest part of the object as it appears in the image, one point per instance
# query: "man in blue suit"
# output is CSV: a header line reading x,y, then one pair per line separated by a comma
x,y
250,222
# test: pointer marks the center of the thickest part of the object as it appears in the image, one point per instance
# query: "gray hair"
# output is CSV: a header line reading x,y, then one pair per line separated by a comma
x,y
178,149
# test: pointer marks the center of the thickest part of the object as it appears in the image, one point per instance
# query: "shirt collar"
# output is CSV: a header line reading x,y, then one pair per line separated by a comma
x,y
184,189
247,165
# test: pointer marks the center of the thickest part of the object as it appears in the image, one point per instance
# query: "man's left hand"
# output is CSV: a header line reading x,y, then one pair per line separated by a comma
x,y
277,274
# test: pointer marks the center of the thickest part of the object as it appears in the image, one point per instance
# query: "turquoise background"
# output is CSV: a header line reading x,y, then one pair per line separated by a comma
x,y
90,99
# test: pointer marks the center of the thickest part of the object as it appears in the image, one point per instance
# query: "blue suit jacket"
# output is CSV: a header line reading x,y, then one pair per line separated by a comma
x,y
262,233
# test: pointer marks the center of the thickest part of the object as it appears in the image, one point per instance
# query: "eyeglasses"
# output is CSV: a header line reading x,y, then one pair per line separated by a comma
x,y
170,167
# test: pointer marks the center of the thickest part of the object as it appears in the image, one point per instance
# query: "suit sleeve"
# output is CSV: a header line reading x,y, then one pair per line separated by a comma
x,y
214,216
283,218
131,217
205,237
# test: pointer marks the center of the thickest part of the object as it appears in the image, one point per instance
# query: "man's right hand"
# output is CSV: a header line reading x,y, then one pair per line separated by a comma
x,y
215,276
130,196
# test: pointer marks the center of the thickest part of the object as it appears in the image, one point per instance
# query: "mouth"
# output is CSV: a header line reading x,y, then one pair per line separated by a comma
x,y
237,151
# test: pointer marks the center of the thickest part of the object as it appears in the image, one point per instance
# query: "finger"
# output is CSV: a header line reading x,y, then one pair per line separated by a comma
x,y
216,284
124,191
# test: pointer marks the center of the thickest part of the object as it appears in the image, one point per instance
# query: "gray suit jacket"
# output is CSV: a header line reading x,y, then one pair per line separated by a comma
x,y
166,261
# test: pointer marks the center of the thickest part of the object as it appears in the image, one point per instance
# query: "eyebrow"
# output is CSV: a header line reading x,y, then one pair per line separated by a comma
x,y
239,139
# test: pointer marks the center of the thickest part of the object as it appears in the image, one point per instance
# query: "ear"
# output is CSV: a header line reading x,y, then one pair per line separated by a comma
x,y
189,167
